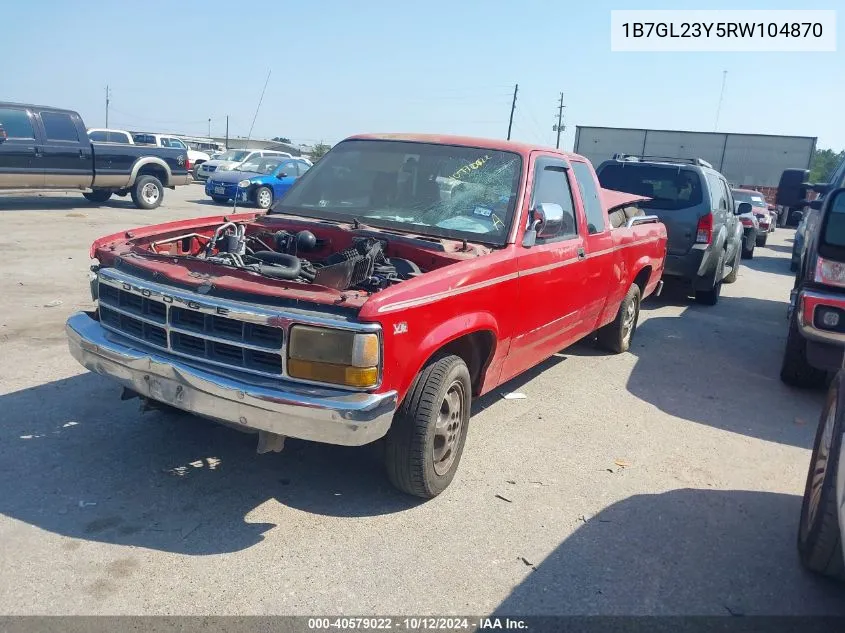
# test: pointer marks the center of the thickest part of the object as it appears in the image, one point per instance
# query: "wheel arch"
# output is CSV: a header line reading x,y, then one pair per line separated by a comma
x,y
151,166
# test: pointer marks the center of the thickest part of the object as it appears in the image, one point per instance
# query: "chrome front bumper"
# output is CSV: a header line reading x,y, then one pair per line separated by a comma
x,y
279,406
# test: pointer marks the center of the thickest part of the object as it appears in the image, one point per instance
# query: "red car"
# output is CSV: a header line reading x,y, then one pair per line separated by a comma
x,y
399,278
766,217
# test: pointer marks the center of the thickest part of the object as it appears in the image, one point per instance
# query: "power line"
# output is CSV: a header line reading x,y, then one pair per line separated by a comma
x,y
721,96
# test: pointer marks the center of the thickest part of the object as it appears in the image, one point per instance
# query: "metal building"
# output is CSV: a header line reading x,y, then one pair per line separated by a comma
x,y
746,160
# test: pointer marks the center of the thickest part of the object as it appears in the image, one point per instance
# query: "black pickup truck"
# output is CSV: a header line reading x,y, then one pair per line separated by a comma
x,y
48,148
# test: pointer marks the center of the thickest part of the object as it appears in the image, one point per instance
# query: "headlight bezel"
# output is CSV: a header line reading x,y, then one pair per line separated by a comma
x,y
319,366
244,184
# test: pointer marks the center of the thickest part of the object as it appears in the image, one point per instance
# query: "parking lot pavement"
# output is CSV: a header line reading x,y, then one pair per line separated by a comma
x,y
666,480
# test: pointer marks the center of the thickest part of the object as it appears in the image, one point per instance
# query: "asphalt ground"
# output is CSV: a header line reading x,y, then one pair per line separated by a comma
x,y
666,480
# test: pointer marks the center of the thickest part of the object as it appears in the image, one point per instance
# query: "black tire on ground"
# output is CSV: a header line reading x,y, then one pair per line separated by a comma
x,y
761,240
793,266
424,445
616,336
711,297
795,370
148,192
819,536
747,253
732,276
220,199
98,196
264,197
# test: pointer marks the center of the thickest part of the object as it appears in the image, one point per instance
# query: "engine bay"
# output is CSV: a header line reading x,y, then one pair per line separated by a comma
x,y
295,256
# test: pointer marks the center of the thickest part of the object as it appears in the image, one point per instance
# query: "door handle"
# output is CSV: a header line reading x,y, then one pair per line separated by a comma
x,y
582,254
38,152
82,154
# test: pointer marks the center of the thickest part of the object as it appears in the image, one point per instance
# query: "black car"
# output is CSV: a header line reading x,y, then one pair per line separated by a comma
x,y
694,201
48,148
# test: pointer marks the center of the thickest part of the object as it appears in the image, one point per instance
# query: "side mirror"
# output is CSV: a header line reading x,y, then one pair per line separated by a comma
x,y
816,204
792,188
546,221
283,174
742,208
3,135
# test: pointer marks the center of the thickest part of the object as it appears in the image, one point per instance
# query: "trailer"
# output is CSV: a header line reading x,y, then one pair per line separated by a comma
x,y
749,161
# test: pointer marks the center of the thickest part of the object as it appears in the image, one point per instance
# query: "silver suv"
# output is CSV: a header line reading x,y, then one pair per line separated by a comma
x,y
694,201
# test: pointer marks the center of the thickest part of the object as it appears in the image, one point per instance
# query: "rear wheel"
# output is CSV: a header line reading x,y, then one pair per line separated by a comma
x,y
616,336
98,196
426,440
264,197
147,192
761,239
795,370
819,536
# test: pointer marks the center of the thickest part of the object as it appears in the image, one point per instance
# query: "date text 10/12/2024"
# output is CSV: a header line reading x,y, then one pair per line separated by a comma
x,y
417,624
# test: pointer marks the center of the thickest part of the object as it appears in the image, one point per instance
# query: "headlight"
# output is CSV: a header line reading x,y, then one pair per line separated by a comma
x,y
336,356
243,184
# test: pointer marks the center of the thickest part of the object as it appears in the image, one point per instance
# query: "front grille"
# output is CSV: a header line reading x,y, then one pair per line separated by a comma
x,y
211,338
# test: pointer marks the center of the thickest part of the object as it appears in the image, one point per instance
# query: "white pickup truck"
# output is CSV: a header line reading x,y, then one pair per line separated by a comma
x,y
161,140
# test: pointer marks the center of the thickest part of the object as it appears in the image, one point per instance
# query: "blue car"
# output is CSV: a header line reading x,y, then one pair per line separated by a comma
x,y
259,181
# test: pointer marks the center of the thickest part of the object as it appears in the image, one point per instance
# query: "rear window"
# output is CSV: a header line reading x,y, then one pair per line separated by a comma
x,y
671,188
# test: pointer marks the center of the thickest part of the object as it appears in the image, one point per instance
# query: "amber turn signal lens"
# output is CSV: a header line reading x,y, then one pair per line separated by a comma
x,y
335,374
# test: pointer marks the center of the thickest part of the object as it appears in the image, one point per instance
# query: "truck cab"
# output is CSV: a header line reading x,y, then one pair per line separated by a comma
x,y
816,335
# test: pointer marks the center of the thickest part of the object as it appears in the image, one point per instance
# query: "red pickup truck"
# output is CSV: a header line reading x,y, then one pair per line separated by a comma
x,y
400,277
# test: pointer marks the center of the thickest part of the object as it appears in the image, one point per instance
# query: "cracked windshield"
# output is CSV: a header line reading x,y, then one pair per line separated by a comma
x,y
443,190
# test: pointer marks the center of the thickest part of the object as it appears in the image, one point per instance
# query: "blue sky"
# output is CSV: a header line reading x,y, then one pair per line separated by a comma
x,y
342,67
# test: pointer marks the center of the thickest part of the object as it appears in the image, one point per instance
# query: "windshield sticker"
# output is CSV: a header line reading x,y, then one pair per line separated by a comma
x,y
467,169
483,211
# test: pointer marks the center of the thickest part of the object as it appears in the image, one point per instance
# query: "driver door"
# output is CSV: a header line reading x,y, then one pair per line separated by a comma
x,y
286,175
552,275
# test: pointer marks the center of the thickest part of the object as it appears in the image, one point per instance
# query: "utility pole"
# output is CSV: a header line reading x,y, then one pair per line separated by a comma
x,y
513,107
560,127
721,95
107,105
209,127
227,131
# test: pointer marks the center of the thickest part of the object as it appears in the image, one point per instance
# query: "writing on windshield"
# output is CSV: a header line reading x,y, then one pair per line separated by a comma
x,y
443,190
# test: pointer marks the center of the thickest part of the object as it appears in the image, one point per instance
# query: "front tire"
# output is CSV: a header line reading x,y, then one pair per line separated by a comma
x,y
616,336
148,192
711,297
795,370
98,196
427,437
264,197
761,240
819,536
734,274
747,252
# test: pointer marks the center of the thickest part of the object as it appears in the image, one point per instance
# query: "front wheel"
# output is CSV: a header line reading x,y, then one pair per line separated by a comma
x,y
98,196
616,336
148,192
426,440
819,536
264,197
711,297
761,239
795,370
748,249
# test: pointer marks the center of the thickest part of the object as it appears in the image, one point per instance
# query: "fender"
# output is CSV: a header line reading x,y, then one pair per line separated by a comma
x,y
149,160
448,331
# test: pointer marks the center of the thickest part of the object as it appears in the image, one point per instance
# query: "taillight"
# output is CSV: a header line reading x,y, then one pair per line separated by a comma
x,y
704,231
747,222
187,163
830,272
